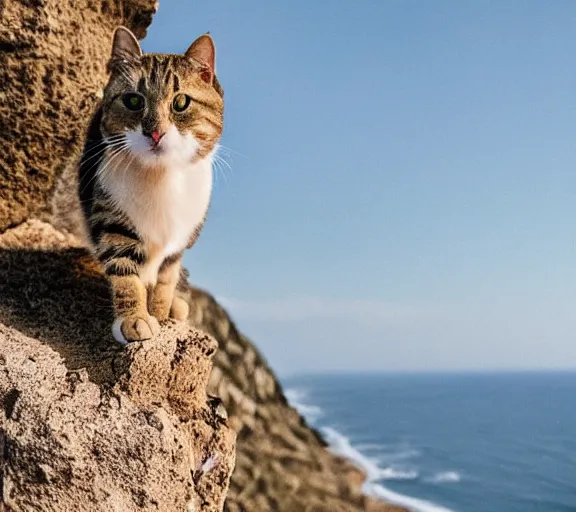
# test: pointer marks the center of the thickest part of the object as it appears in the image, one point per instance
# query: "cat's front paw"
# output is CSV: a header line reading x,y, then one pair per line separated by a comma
x,y
135,328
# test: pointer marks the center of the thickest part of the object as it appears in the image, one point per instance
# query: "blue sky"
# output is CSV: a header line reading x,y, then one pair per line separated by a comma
x,y
402,193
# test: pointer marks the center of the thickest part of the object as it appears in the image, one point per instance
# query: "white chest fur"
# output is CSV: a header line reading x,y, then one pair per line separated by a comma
x,y
165,204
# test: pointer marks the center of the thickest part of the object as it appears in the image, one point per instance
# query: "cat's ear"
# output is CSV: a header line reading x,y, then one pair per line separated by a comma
x,y
125,47
203,51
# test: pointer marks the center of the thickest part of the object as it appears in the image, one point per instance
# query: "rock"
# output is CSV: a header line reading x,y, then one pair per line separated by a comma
x,y
84,422
53,53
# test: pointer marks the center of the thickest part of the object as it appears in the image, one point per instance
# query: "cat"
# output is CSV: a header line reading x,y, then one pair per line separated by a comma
x,y
145,175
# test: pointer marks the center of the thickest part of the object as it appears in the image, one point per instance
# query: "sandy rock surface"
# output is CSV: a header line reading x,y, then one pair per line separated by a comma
x,y
86,422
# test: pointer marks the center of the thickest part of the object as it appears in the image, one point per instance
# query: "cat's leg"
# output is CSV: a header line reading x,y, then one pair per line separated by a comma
x,y
133,322
162,296
122,255
179,310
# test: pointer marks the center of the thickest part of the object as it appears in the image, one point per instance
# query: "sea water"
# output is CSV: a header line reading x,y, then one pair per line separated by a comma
x,y
452,442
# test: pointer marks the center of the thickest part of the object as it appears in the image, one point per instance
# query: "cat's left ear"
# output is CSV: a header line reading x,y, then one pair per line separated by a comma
x,y
125,47
203,51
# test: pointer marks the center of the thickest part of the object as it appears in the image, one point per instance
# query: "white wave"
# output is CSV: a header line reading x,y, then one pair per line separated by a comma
x,y
296,398
397,474
340,445
445,477
395,498
388,452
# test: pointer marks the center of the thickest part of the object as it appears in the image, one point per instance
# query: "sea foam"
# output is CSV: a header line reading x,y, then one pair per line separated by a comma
x,y
341,445
395,498
296,398
445,477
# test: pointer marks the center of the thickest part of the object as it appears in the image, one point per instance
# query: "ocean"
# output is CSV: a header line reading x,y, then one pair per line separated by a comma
x,y
452,442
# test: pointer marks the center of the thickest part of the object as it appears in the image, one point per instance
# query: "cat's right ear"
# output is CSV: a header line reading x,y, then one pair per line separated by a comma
x,y
125,48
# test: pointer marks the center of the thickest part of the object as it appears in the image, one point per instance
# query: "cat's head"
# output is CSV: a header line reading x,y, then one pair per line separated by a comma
x,y
166,108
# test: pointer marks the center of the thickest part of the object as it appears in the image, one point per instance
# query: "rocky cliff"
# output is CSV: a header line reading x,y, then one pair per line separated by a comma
x,y
82,419
282,464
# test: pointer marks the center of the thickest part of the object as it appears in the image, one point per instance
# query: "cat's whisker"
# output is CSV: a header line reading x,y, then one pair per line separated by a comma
x,y
215,174
99,172
109,166
224,176
93,152
218,168
108,140
218,155
97,161
223,161
111,162
229,150
219,164
103,142
95,147
96,174
115,138
102,149
109,137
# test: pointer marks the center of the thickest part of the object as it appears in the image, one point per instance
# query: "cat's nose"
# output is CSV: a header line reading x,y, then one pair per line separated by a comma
x,y
155,135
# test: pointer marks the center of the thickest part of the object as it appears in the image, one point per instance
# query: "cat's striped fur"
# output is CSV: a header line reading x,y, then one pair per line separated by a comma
x,y
145,176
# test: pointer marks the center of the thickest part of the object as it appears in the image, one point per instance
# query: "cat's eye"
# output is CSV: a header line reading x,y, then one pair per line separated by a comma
x,y
181,102
133,101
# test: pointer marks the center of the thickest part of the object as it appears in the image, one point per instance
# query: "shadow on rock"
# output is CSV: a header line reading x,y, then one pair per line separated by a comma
x,y
62,299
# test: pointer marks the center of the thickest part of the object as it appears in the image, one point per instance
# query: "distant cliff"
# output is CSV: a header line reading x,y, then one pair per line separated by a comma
x,y
85,423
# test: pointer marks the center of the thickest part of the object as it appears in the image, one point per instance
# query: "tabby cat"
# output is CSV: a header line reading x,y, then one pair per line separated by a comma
x,y
145,176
